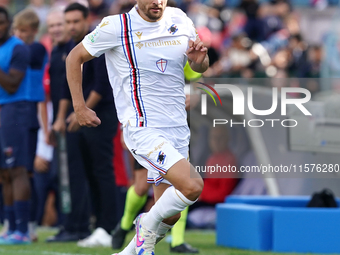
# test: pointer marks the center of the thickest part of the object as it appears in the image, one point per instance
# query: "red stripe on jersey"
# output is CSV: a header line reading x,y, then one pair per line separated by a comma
x,y
134,73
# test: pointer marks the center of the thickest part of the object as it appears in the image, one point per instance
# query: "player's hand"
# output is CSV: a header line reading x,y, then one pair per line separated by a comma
x,y
196,51
86,117
59,126
40,165
73,124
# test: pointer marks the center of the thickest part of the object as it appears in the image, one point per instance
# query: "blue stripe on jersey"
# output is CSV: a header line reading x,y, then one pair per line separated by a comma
x,y
127,60
136,63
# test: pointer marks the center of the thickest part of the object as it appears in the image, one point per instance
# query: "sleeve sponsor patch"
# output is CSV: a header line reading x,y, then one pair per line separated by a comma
x,y
93,36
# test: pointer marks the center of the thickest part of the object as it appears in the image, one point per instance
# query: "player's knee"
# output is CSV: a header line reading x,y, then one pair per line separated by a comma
x,y
193,189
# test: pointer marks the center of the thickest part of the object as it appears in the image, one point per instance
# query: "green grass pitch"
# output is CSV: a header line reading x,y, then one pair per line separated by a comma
x,y
204,240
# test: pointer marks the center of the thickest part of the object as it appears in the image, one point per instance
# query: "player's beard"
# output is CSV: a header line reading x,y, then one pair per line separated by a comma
x,y
152,16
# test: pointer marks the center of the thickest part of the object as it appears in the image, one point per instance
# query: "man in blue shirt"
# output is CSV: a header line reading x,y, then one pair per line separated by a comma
x,y
25,27
17,132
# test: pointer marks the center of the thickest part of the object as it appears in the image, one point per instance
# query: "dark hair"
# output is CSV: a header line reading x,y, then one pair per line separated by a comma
x,y
172,3
4,11
78,7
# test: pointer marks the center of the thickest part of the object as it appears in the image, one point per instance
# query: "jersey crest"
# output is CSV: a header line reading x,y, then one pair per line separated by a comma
x,y
162,64
161,158
173,29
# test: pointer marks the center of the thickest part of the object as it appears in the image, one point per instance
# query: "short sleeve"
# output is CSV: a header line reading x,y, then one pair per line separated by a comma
x,y
193,35
20,58
102,38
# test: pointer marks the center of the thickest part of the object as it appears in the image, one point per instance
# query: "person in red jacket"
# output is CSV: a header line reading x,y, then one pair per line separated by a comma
x,y
217,185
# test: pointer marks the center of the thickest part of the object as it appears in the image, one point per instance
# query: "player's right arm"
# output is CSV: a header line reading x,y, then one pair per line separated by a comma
x,y
102,39
74,61
20,59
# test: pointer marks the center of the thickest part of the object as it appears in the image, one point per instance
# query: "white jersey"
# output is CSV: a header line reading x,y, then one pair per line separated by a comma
x,y
145,62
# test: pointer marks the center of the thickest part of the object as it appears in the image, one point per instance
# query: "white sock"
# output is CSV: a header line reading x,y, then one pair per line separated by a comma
x,y
170,203
130,249
162,230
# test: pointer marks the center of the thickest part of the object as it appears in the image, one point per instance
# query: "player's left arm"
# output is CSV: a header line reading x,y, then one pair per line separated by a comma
x,y
197,56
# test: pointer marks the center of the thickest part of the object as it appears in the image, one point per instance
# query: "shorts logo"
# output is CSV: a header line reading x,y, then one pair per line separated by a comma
x,y
155,149
173,29
161,158
162,64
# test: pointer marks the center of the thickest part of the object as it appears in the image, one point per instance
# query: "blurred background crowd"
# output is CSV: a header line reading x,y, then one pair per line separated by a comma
x,y
247,38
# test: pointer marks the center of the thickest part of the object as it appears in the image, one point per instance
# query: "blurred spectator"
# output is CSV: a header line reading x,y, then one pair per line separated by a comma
x,y
206,37
63,3
46,176
121,6
273,16
98,10
4,3
315,56
40,8
254,27
299,66
184,5
25,25
75,224
234,59
95,144
19,124
217,185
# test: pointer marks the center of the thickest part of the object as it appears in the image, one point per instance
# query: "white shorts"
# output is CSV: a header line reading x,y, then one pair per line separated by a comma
x,y
157,149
